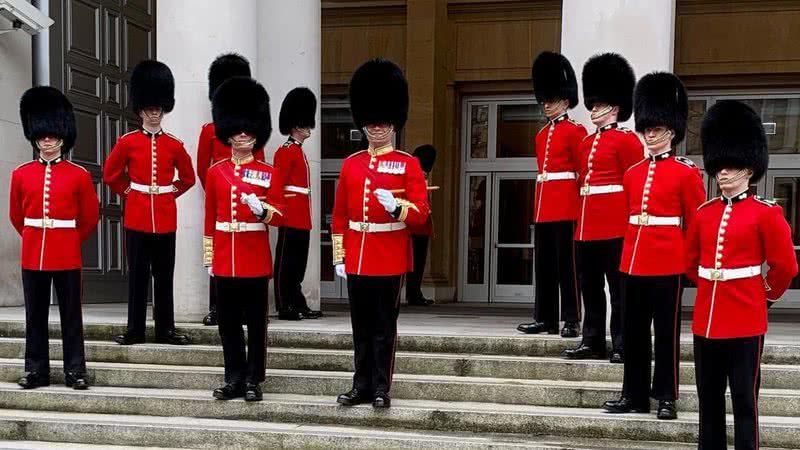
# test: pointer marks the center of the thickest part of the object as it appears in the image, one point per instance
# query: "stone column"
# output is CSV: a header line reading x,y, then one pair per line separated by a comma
x,y
290,55
191,33
643,32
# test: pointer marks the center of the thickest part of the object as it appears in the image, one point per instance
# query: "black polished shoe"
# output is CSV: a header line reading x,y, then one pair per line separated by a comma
x,y
616,358
229,392
311,314
173,338
570,330
252,392
354,397
210,320
667,410
33,380
128,339
422,301
76,380
584,351
382,400
290,315
537,328
625,405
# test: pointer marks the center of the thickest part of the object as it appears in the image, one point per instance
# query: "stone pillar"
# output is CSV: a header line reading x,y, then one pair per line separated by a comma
x,y
643,32
15,78
191,33
290,55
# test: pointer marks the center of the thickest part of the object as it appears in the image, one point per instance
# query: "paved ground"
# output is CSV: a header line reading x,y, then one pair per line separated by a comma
x,y
450,320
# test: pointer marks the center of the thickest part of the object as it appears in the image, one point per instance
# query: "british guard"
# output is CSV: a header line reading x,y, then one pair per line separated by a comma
x,y
663,194
731,241
53,205
420,235
141,168
211,150
372,247
296,120
603,158
556,200
243,195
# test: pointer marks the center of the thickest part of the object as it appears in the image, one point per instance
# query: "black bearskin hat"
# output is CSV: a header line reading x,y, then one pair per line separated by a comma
x,y
733,137
608,78
379,94
45,111
239,105
152,85
297,110
426,155
553,79
226,66
660,101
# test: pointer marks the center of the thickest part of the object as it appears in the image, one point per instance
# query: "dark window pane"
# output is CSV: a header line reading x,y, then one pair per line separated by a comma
x,y
476,249
325,266
515,266
697,108
517,126
479,131
337,140
781,118
515,210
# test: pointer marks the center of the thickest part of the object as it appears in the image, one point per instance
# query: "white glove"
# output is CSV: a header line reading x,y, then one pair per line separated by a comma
x,y
339,268
210,272
254,203
386,199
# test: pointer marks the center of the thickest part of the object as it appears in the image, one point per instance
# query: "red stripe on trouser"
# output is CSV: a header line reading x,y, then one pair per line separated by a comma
x,y
677,339
394,343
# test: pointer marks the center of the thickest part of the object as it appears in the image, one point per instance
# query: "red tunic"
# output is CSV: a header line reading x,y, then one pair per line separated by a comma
x,y
745,231
426,229
211,150
149,160
246,253
57,190
378,253
603,159
660,187
557,152
291,162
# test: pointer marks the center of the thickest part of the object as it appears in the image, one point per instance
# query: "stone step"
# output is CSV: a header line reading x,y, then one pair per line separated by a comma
x,y
519,345
420,363
461,424
41,445
571,394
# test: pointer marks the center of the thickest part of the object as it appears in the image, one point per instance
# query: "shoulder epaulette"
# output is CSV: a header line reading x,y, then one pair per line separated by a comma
x,y
218,163
356,153
685,161
129,132
207,124
286,144
174,137
76,165
766,201
708,202
24,164
404,153
590,135
625,130
575,123
644,160
542,129
264,163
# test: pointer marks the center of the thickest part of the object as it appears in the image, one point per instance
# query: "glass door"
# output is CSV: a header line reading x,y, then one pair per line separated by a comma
x,y
784,187
330,286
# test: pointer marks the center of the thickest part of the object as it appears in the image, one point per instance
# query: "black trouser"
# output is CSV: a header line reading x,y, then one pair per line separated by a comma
x,y
212,293
598,261
243,300
719,362
419,245
374,306
291,258
655,300
36,290
150,254
555,273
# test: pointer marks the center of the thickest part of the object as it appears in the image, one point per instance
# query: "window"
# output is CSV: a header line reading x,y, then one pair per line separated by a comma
x,y
503,129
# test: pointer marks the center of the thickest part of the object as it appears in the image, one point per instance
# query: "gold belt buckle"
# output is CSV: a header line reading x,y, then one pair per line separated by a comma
x,y
48,223
363,226
235,227
585,190
543,176
716,274
644,219
153,189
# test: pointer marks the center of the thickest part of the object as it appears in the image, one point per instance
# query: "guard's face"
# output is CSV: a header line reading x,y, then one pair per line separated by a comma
x,y
554,108
152,116
603,114
304,132
380,134
733,179
658,139
242,141
49,144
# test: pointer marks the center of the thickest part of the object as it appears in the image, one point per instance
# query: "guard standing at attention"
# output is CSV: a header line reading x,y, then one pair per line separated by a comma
x,y
372,247
296,120
211,150
141,169
604,156
556,201
243,195
53,205
663,193
731,240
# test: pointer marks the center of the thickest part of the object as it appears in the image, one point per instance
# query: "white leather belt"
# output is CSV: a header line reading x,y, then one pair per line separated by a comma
x,y
553,176
49,223
594,190
366,227
297,189
239,227
648,220
153,190
728,274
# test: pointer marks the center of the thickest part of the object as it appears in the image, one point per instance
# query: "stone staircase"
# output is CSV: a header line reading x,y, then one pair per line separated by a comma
x,y
450,392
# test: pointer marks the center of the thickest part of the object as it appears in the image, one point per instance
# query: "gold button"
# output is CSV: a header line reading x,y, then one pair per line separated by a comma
x,y
233,196
366,182
233,205
233,188
233,212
